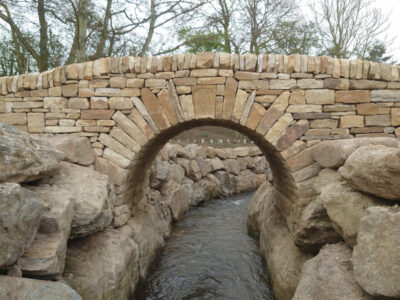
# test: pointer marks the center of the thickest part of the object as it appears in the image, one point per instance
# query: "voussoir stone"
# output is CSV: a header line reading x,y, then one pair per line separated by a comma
x,y
23,158
93,195
25,288
333,154
374,169
20,215
329,275
377,254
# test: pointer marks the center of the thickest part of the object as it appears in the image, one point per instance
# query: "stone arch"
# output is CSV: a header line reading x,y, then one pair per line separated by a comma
x,y
128,105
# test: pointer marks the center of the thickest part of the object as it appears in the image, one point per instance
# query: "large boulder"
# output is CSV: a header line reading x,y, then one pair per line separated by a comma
x,y
23,158
345,208
77,149
255,208
315,228
284,259
46,255
20,215
329,275
93,195
375,170
177,199
23,288
376,257
103,266
158,173
333,154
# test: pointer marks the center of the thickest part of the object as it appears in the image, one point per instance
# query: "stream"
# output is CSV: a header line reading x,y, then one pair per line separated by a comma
x,y
210,256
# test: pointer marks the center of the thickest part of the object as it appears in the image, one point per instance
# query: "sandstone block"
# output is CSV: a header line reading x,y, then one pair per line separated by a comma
x,y
352,96
100,114
351,121
320,96
282,84
336,84
78,103
310,83
385,96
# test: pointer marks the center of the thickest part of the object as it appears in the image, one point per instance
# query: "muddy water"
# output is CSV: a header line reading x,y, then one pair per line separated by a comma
x,y
210,256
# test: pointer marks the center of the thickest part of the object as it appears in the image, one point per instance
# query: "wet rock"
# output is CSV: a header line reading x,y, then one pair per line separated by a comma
x,y
329,275
333,154
215,164
103,265
77,149
24,288
46,255
277,246
23,158
93,195
374,170
377,253
20,215
204,166
194,172
177,199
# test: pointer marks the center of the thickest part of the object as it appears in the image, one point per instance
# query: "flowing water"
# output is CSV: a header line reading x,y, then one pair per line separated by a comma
x,y
210,256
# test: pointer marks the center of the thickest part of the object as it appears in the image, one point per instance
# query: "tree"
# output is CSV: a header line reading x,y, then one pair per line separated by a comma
x,y
296,37
348,27
377,52
20,39
200,41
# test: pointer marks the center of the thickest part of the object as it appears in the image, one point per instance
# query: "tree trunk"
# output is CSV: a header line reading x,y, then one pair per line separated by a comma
x,y
43,62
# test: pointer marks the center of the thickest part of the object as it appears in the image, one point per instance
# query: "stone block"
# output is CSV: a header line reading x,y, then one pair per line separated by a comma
x,y
100,114
78,103
353,96
336,84
98,103
378,120
351,121
282,84
55,102
385,96
320,96
35,122
120,103
367,109
70,90
204,101
310,84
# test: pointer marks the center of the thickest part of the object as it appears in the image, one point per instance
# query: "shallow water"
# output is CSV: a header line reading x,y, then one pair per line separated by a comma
x,y
210,256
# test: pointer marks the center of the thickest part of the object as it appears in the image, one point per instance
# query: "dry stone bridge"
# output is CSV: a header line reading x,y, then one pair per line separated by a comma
x,y
129,107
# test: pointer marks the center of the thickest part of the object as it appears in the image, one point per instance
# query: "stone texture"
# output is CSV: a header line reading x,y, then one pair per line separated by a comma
x,y
385,96
23,158
46,255
93,195
204,101
24,288
377,252
329,275
333,154
20,215
344,206
374,169
320,96
255,209
352,96
103,265
76,149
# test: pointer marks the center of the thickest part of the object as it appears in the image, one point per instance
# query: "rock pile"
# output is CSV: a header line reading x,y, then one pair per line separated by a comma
x,y
346,244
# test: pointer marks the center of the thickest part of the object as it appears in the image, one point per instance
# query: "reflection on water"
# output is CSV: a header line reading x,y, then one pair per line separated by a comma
x,y
210,256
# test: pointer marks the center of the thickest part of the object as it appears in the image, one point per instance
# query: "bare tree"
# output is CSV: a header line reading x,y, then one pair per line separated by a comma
x,y
348,27
262,18
20,38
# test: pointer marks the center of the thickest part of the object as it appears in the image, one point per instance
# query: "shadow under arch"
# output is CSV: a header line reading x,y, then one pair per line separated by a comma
x,y
283,179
